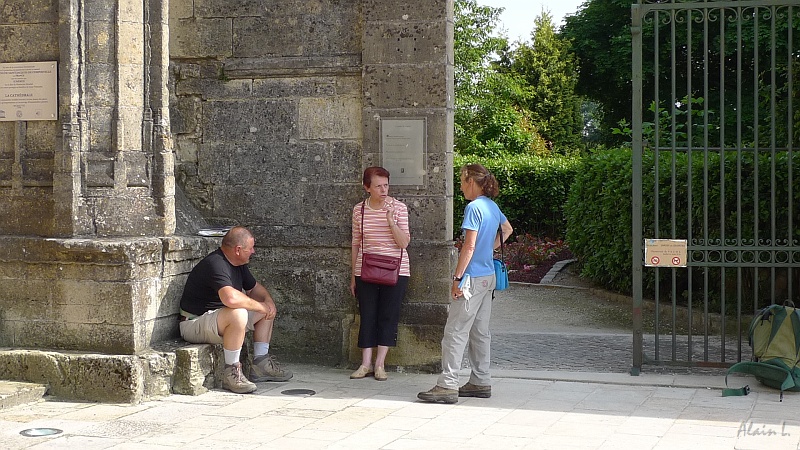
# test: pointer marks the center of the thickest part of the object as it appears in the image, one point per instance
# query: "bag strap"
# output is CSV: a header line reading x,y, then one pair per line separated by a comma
x,y
502,256
363,204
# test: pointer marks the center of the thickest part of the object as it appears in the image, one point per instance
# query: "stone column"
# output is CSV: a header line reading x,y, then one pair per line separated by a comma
x,y
408,72
88,203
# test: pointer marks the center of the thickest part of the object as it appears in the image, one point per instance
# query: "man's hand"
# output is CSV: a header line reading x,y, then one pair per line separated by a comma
x,y
269,309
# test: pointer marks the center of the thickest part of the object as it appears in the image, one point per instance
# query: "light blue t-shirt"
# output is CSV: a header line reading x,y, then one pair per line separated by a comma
x,y
484,216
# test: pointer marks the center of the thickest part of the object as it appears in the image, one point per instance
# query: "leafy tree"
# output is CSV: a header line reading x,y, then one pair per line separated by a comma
x,y
600,33
489,120
550,74
601,37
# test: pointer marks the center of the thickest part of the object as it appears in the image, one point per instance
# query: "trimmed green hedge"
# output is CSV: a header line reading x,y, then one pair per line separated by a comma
x,y
533,191
598,211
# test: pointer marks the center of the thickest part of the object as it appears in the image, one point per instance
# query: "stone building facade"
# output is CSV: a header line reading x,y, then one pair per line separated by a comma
x,y
182,114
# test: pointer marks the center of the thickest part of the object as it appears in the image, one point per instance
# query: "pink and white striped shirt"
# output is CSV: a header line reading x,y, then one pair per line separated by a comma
x,y
378,237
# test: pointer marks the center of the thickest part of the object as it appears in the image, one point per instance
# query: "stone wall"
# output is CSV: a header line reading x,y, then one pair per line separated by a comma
x,y
276,111
262,114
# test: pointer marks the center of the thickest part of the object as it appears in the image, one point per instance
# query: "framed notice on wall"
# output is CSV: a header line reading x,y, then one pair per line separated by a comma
x,y
28,91
403,149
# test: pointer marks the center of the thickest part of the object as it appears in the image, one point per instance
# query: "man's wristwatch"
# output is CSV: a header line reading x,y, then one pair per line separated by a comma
x,y
455,278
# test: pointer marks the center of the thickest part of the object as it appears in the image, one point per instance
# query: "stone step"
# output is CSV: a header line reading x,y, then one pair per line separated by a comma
x,y
171,367
15,393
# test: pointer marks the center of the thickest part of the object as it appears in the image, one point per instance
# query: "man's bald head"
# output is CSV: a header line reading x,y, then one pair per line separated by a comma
x,y
236,236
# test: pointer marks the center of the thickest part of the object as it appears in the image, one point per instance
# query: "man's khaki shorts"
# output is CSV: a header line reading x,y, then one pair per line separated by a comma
x,y
203,329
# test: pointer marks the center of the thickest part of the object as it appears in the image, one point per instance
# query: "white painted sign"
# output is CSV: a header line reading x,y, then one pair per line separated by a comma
x,y
665,252
28,91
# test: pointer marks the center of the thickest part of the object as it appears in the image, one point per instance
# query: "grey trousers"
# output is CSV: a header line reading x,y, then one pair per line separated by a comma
x,y
468,320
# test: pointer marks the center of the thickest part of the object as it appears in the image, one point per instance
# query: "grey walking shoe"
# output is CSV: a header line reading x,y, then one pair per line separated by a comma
x,y
439,394
234,381
475,390
266,368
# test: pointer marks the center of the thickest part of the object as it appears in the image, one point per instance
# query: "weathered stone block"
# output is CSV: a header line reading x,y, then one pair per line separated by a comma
x,y
407,10
37,171
181,9
406,43
198,368
296,87
130,11
406,86
30,214
29,42
132,35
418,347
102,42
137,168
215,89
40,138
99,10
270,35
236,8
31,11
90,377
329,118
200,38
244,122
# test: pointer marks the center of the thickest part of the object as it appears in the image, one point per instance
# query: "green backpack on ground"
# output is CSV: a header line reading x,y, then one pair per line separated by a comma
x,y
775,338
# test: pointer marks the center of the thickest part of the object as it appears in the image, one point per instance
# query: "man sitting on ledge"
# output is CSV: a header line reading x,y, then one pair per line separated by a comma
x,y
221,301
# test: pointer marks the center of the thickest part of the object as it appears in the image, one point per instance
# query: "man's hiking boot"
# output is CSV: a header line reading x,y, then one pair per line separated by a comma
x,y
266,368
439,394
234,381
475,390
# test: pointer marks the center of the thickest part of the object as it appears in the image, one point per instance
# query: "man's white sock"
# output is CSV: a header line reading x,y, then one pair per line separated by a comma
x,y
232,356
260,349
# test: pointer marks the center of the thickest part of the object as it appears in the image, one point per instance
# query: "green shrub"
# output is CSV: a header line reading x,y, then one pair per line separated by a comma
x,y
598,211
533,191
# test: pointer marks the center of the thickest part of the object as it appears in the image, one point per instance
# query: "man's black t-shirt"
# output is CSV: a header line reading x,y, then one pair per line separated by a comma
x,y
210,275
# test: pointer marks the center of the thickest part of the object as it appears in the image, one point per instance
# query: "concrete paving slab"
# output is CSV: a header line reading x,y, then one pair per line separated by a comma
x,y
527,410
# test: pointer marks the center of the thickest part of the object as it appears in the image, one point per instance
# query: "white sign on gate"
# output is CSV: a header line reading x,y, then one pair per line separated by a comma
x,y
665,252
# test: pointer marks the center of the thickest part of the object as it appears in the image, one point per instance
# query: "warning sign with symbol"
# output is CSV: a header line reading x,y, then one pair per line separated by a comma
x,y
665,252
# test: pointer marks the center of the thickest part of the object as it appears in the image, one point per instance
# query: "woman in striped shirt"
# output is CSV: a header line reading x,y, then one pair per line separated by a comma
x,y
385,232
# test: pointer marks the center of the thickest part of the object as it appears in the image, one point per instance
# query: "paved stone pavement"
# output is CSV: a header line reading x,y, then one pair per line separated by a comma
x,y
556,384
538,327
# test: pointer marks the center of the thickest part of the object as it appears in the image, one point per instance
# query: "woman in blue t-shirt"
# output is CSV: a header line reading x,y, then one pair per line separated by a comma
x,y
471,291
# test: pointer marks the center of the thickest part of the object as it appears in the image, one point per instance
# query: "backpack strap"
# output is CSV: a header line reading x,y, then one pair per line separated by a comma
x,y
795,318
758,369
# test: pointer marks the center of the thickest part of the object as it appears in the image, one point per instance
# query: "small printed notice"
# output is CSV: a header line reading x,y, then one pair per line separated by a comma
x,y
28,91
665,252
403,143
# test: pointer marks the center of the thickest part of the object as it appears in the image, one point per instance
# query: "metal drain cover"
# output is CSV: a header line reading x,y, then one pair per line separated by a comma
x,y
307,392
36,432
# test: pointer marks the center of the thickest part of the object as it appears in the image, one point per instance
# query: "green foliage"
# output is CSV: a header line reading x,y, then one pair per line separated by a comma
x,y
512,101
671,132
533,191
549,73
598,211
600,38
598,215
740,67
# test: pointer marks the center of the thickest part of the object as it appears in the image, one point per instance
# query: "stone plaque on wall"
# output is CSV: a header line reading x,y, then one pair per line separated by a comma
x,y
403,149
28,91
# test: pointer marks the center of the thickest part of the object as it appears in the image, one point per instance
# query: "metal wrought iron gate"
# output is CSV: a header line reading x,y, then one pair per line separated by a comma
x,y
716,128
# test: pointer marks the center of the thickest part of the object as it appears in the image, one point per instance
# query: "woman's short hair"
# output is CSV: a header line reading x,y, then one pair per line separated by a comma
x,y
370,172
482,178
